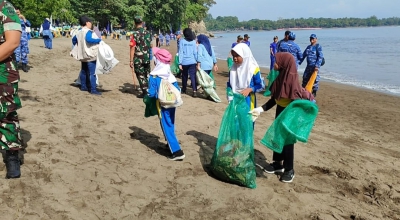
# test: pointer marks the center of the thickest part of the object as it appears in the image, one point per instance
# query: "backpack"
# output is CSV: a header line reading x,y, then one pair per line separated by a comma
x,y
168,95
323,58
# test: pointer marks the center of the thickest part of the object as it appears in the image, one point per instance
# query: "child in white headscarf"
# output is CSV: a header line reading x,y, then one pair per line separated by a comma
x,y
245,76
161,71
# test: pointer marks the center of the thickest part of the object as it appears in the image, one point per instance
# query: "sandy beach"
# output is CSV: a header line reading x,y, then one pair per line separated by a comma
x,y
98,157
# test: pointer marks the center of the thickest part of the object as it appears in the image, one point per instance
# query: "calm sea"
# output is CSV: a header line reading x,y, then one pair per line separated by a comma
x,y
363,57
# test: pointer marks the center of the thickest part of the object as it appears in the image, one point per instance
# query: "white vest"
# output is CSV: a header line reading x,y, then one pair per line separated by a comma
x,y
86,51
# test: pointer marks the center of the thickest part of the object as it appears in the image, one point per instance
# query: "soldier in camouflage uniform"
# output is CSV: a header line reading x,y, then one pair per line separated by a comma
x,y
140,55
10,138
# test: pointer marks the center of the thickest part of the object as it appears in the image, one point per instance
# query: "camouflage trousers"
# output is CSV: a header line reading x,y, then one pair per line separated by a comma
x,y
22,51
10,136
142,72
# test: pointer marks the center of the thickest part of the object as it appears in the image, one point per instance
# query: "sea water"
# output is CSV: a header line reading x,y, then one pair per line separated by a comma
x,y
363,57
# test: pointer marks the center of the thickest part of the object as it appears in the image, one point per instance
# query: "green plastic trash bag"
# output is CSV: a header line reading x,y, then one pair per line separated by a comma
x,y
151,106
207,83
212,77
271,78
229,61
233,158
293,124
175,66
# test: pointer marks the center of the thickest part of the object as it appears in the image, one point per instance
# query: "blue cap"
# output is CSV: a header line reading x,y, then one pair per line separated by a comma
x,y
313,36
292,36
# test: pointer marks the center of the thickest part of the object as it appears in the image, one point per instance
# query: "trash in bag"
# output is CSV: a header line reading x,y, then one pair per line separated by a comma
x,y
175,66
293,124
105,59
151,106
207,83
233,158
271,78
229,61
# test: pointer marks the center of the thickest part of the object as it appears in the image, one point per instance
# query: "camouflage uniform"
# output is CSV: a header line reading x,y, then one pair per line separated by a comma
x,y
9,100
141,61
22,51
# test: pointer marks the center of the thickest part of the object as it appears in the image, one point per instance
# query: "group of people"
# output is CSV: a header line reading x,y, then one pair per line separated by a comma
x,y
313,53
168,37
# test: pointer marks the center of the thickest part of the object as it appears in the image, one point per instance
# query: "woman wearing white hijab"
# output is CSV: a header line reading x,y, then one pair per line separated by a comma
x,y
245,77
166,115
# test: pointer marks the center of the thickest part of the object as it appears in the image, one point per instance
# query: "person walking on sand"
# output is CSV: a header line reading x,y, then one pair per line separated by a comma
x,y
10,136
291,47
140,55
206,59
167,39
245,76
162,71
87,43
22,51
47,35
188,60
161,36
284,90
315,58
246,39
239,39
272,52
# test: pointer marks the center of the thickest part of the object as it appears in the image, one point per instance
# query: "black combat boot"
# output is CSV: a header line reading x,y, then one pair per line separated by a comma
x,y
13,164
24,67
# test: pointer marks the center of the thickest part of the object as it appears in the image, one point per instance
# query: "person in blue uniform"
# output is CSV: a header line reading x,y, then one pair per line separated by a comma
x,y
272,52
47,35
167,39
167,116
22,51
291,47
314,55
245,77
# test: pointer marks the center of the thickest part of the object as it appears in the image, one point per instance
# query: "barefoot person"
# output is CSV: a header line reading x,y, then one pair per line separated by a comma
x,y
10,137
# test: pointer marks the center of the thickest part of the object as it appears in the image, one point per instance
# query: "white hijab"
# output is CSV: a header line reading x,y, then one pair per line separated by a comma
x,y
163,71
241,75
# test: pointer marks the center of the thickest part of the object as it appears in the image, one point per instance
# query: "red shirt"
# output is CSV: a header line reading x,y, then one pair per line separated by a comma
x,y
132,43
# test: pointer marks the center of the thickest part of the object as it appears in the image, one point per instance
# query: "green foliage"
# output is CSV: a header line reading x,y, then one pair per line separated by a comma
x,y
231,23
160,14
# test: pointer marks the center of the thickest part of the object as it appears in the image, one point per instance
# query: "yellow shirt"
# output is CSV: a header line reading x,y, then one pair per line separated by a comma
x,y
283,102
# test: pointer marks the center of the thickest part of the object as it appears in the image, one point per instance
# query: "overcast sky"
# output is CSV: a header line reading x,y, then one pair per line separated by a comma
x,y
274,9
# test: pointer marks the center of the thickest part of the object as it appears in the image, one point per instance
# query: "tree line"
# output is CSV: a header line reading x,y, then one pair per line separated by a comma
x,y
233,23
158,14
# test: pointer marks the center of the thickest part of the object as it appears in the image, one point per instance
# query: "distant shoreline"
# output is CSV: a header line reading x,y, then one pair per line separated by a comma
x,y
284,29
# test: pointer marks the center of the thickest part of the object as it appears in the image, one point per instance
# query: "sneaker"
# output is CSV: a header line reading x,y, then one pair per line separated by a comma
x,y
177,156
13,165
274,167
194,94
288,176
140,96
95,92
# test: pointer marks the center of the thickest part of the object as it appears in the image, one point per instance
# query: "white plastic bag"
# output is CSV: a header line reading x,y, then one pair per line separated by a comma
x,y
168,95
105,59
207,83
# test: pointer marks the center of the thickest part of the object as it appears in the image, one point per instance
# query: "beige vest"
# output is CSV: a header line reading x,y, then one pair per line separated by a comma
x,y
85,51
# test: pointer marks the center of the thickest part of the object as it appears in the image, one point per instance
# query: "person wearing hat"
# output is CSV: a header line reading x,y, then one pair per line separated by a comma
x,y
272,52
290,46
162,71
140,55
315,58
246,39
47,35
239,40
87,43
